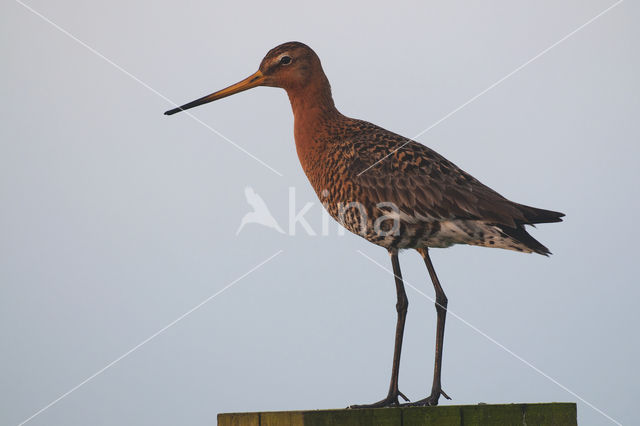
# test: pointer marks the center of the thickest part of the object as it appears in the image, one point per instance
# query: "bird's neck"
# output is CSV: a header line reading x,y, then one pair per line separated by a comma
x,y
312,103
314,115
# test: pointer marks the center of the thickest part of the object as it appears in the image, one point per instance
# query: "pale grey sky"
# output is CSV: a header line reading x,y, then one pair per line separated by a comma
x,y
117,220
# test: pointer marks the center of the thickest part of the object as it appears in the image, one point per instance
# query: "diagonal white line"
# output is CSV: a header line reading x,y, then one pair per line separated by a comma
x,y
495,84
500,345
100,55
148,339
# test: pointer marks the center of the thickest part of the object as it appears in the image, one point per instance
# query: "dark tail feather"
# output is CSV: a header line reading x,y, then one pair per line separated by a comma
x,y
520,234
535,215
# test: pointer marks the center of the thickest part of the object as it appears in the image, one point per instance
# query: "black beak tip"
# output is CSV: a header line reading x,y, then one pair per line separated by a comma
x,y
172,111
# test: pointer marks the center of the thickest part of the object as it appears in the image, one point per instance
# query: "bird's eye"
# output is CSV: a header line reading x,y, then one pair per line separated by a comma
x,y
285,60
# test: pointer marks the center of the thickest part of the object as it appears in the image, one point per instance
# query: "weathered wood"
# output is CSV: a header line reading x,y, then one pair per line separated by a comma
x,y
545,414
239,419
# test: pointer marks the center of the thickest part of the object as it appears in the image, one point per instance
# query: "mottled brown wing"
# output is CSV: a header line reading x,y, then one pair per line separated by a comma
x,y
421,182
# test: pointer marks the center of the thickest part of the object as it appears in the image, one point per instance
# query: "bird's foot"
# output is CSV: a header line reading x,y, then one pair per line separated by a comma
x,y
390,401
428,401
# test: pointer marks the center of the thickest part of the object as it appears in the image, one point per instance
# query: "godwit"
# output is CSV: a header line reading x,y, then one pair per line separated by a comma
x,y
394,192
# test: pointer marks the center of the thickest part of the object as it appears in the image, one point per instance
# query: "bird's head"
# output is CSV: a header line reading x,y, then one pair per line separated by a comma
x,y
290,66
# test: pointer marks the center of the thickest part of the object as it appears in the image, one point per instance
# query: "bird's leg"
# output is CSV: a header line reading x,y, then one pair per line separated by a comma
x,y
441,309
401,307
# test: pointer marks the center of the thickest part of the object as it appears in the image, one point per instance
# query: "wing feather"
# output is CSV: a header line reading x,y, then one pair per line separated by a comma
x,y
421,182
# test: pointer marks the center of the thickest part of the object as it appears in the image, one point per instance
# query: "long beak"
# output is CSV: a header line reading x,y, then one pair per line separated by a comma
x,y
249,82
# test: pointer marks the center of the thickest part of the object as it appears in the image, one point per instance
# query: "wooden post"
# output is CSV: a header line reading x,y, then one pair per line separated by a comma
x,y
546,414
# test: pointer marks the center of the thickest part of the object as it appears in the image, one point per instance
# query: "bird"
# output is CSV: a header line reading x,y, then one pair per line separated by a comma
x,y
393,191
